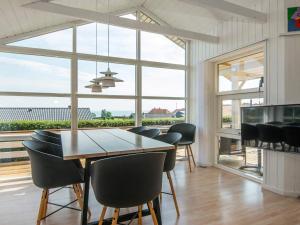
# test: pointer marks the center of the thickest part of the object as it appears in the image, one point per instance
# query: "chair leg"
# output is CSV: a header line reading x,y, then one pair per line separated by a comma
x,y
102,215
115,217
173,193
149,204
46,203
79,188
192,154
42,206
189,159
78,195
140,209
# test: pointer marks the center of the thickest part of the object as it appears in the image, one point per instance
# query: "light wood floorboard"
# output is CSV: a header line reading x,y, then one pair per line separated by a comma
x,y
206,197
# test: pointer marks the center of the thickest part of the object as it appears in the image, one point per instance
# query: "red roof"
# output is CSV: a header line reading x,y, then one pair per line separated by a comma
x,y
159,111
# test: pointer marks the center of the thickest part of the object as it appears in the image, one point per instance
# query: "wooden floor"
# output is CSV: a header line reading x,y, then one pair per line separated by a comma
x,y
207,196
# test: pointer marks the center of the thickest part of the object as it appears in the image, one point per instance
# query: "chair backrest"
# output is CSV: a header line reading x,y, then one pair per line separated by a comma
x,y
49,170
171,138
43,138
47,133
270,133
187,131
248,132
150,133
292,135
274,123
127,181
137,129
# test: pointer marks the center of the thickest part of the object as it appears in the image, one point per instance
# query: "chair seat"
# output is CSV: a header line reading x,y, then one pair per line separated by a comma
x,y
181,143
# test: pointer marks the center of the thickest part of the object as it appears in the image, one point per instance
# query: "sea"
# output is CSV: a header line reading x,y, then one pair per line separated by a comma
x,y
115,113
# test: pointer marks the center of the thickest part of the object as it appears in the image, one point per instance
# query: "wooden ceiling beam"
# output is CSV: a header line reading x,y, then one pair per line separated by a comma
x,y
231,8
93,16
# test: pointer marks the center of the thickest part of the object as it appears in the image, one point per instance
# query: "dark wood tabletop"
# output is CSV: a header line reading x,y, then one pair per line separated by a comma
x,y
106,142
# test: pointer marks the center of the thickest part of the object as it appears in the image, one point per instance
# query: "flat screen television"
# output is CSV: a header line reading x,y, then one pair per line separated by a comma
x,y
285,114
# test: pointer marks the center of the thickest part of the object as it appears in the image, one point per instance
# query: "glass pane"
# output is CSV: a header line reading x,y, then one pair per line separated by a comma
x,y
163,112
108,112
122,40
242,73
232,154
30,113
231,114
87,70
163,82
26,73
156,47
59,40
19,116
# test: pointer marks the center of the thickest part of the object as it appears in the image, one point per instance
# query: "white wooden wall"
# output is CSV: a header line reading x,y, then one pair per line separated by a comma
x,y
282,78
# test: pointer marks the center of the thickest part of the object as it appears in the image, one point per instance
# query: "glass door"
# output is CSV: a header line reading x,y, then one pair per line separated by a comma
x,y
240,83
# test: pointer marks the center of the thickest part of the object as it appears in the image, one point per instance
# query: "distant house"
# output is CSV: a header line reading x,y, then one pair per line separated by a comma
x,y
53,114
158,113
164,113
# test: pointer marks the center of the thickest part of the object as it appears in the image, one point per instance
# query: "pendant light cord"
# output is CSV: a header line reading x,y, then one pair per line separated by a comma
x,y
96,41
108,21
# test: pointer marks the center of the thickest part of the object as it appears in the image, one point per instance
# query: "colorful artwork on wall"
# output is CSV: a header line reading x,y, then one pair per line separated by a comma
x,y
293,19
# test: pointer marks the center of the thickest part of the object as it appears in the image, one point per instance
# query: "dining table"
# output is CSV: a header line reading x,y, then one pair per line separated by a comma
x,y
97,144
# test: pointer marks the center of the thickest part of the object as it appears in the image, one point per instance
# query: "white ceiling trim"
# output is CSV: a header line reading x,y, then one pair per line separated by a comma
x,y
231,8
42,31
93,16
50,29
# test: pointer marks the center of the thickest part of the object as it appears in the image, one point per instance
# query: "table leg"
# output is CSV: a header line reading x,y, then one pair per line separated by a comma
x,y
156,206
86,192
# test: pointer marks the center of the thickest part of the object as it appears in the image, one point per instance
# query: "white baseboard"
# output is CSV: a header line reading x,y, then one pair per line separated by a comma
x,y
280,191
239,173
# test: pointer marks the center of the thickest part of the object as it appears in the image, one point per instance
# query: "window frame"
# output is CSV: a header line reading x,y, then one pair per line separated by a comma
x,y
74,57
237,94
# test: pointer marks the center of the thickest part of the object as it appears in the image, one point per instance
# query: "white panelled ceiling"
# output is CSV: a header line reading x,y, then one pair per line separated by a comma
x,y
16,19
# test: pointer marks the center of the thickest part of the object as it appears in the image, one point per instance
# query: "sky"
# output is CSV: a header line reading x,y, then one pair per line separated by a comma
x,y
27,73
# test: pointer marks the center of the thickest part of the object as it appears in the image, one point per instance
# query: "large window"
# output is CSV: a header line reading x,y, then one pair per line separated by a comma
x,y
59,40
156,47
163,112
122,40
107,112
27,73
39,86
163,82
87,72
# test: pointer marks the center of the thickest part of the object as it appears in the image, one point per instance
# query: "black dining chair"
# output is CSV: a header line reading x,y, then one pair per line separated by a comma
x,y
150,133
274,123
173,139
188,132
47,133
44,138
270,134
249,133
51,171
57,145
128,181
292,137
137,130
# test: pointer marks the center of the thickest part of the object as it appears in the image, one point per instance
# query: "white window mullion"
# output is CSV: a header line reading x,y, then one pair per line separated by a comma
x,y
74,83
138,80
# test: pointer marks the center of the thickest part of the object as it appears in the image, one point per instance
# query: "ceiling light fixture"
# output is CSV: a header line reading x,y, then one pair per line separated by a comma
x,y
108,80
96,85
